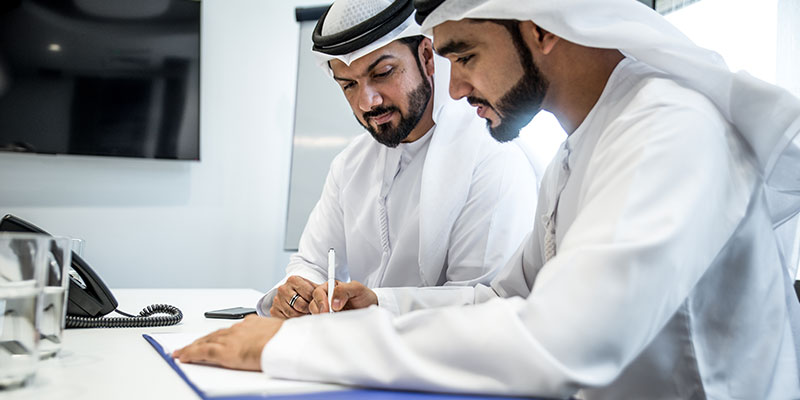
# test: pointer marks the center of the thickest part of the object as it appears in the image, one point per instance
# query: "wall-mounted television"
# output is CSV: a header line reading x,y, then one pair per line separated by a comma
x,y
100,77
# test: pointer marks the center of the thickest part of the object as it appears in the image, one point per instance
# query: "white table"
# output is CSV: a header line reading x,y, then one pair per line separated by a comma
x,y
117,363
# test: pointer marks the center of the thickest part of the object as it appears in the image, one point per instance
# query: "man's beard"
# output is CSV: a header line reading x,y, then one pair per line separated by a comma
x,y
388,136
519,105
522,102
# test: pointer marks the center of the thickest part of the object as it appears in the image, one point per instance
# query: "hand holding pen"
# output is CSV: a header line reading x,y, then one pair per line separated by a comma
x,y
347,296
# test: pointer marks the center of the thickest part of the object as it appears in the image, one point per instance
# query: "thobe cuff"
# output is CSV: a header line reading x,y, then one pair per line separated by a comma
x,y
387,300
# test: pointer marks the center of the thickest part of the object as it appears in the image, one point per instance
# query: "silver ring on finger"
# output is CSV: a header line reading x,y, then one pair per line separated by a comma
x,y
294,298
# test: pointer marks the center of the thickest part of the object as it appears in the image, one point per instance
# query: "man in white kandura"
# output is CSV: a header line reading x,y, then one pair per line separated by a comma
x,y
427,198
653,271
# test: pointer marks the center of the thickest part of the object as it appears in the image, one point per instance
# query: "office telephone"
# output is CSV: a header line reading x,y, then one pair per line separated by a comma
x,y
88,297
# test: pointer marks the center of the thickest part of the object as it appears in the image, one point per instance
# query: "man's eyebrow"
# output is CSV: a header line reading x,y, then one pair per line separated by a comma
x,y
453,47
378,61
370,68
343,79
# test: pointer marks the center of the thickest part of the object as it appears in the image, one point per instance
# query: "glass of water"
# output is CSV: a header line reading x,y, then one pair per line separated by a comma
x,y
22,261
54,296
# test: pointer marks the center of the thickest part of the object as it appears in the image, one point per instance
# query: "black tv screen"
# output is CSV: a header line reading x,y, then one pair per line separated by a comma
x,y
100,77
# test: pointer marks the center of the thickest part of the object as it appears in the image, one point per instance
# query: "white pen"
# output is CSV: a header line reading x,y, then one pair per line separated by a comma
x,y
331,277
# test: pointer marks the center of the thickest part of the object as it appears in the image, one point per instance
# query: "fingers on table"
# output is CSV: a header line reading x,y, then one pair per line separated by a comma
x,y
205,352
205,349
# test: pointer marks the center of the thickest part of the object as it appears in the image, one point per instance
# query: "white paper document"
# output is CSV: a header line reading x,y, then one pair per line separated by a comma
x,y
215,381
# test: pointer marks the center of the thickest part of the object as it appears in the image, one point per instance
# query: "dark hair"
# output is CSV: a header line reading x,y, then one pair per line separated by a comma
x,y
413,44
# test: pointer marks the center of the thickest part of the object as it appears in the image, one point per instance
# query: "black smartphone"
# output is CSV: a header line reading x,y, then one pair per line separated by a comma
x,y
230,313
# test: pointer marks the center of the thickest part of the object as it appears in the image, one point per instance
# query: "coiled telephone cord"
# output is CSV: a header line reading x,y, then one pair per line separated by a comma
x,y
145,318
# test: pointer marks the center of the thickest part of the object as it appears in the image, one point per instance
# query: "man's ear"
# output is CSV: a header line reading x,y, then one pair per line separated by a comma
x,y
537,38
425,53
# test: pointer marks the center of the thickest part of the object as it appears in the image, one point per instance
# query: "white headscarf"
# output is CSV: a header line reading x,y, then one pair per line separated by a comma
x,y
345,14
768,117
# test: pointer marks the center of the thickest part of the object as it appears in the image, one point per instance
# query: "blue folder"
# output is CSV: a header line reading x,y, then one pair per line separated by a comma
x,y
355,394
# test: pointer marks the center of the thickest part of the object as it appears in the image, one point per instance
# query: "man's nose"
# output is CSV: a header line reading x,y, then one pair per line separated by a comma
x,y
459,87
368,98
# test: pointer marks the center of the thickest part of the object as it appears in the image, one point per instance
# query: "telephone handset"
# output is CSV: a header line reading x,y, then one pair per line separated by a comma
x,y
88,297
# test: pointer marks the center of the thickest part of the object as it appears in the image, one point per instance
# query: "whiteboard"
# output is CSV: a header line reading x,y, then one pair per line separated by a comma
x,y
323,125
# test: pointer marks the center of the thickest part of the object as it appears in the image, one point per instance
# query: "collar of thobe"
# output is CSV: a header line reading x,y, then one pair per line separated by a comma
x,y
767,117
398,159
410,150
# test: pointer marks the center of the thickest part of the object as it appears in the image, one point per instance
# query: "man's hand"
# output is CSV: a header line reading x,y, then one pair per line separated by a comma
x,y
297,288
237,347
346,296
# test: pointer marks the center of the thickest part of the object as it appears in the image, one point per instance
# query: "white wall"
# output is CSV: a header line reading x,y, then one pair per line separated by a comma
x,y
216,223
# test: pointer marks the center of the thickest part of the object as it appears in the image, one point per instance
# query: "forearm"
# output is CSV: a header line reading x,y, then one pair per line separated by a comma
x,y
417,352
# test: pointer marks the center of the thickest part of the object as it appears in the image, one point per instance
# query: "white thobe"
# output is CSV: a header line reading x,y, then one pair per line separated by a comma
x,y
667,280
377,200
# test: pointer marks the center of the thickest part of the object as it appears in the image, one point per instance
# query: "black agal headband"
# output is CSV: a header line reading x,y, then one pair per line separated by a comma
x,y
361,35
425,8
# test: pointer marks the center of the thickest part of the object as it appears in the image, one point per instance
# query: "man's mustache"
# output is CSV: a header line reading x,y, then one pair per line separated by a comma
x,y
477,101
378,111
